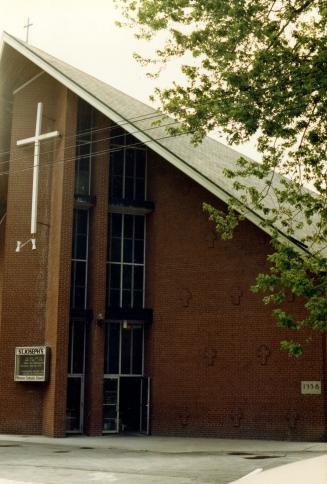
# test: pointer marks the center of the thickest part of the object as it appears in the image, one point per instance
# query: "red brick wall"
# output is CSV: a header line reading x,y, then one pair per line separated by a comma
x,y
203,348
97,279
207,375
33,282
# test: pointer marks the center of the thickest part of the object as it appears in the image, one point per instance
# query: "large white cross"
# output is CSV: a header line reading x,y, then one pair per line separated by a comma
x,y
36,167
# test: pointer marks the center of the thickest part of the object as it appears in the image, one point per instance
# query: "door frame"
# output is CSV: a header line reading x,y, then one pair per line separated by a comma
x,y
145,429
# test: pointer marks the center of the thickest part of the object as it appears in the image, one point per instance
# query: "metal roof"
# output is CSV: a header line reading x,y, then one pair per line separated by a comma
x,y
203,163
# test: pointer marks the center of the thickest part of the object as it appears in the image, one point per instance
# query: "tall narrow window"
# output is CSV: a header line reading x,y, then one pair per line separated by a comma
x,y
85,126
78,298
125,287
127,168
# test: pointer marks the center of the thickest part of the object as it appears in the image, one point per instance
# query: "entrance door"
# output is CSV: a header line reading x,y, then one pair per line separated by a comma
x,y
145,406
75,404
75,381
111,421
126,398
129,403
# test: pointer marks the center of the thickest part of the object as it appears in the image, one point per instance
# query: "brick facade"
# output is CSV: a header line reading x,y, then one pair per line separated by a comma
x,y
212,350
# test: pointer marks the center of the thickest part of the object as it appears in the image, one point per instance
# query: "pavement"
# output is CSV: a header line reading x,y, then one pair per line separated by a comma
x,y
148,460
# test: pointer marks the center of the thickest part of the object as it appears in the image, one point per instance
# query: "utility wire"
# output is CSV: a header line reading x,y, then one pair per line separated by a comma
x,y
109,138
144,117
97,153
141,117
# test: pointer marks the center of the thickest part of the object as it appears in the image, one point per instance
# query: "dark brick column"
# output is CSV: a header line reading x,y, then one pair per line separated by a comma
x,y
60,247
97,278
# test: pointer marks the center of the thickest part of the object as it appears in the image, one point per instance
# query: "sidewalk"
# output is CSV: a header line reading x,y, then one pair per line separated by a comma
x,y
138,459
170,444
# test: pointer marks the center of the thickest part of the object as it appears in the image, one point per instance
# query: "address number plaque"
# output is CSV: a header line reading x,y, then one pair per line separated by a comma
x,y
311,387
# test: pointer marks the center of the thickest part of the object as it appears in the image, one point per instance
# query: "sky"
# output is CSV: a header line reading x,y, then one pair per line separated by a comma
x,y
83,33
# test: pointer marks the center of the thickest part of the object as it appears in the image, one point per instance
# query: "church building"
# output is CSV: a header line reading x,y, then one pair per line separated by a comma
x,y
121,309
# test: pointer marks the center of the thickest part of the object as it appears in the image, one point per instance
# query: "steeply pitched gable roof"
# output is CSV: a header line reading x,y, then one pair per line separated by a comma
x,y
204,163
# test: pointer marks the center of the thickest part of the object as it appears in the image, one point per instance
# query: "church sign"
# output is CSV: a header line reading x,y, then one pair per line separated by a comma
x,y
32,363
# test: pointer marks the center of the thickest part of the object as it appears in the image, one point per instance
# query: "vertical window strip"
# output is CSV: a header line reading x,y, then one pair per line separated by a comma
x,y
86,122
124,149
76,260
122,263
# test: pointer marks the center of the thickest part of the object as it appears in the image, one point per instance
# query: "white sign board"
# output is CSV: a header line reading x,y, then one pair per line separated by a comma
x,y
32,363
311,387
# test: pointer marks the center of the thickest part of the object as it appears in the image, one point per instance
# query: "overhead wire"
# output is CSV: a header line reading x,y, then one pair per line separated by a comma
x,y
138,118
109,138
94,154
95,130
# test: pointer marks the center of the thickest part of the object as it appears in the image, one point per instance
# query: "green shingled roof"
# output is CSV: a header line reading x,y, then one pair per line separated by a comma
x,y
204,163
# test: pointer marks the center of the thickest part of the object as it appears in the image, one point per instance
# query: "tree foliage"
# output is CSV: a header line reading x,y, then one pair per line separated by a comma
x,y
258,67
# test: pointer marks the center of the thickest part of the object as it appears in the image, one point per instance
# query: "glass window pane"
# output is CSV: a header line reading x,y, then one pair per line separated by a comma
x,y
117,163
127,298
126,351
114,299
138,299
139,227
117,136
128,250
115,250
115,225
73,408
140,156
112,350
130,140
110,387
138,277
127,277
81,221
114,276
129,188
80,273
137,350
80,247
128,226
78,346
116,187
138,251
129,166
139,190
110,400
79,297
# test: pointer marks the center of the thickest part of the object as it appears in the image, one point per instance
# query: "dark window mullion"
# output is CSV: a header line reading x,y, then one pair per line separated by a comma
x,y
122,261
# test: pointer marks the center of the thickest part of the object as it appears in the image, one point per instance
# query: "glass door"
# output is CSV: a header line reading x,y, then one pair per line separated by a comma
x,y
111,405
74,413
145,406
75,377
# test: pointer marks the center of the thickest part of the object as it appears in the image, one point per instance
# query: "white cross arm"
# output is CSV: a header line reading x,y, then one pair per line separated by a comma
x,y
42,137
36,139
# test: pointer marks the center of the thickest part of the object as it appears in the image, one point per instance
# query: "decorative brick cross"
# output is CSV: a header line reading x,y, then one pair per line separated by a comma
x,y
292,418
236,417
184,417
210,355
211,238
236,295
185,297
263,352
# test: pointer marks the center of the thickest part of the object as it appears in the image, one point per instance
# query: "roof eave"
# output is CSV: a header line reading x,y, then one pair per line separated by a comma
x,y
141,136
